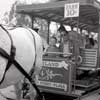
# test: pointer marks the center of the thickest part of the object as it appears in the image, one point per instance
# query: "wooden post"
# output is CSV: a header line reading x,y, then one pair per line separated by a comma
x,y
72,28
76,54
98,61
81,31
48,32
32,18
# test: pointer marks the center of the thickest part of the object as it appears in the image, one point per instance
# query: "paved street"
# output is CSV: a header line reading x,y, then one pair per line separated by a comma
x,y
10,93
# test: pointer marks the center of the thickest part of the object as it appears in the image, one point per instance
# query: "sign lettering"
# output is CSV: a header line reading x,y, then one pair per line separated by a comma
x,y
53,85
71,10
54,64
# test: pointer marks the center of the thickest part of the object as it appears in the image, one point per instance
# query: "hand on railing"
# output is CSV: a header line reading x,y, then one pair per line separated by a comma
x,y
77,59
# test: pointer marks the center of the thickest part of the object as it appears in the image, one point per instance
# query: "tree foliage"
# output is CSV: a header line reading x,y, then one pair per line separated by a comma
x,y
15,19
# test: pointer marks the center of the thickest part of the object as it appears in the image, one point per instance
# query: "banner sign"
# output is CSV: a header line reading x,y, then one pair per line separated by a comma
x,y
55,76
71,10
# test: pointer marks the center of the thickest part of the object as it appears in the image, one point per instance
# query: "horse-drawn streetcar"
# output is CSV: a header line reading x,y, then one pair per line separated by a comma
x,y
73,73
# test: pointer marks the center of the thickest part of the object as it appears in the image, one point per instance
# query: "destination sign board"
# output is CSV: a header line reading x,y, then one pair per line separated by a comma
x,y
55,76
71,10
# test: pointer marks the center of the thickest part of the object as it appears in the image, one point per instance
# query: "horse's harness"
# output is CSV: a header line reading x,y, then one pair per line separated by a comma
x,y
11,60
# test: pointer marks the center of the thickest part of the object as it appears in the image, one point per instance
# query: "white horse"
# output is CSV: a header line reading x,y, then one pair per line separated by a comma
x,y
25,54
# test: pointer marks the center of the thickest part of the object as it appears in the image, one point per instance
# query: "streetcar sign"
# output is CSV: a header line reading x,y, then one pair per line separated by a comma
x,y
71,10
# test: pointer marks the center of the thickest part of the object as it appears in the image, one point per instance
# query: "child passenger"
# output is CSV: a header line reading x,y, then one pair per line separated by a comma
x,y
52,47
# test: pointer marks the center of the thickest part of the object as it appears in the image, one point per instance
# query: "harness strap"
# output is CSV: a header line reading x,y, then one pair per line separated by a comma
x,y
34,64
25,84
4,54
10,59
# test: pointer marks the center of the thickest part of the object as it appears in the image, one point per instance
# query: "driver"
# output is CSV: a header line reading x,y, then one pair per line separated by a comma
x,y
66,44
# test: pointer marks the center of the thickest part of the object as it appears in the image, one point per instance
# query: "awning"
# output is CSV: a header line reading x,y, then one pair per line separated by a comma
x,y
54,11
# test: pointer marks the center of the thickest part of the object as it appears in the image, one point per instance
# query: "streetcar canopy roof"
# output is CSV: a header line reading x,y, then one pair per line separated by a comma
x,y
54,11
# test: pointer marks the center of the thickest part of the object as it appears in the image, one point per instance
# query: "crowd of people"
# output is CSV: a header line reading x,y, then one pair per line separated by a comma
x,y
63,44
69,41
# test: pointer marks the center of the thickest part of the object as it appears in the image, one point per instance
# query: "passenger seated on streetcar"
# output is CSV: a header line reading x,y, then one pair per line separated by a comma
x,y
89,42
52,47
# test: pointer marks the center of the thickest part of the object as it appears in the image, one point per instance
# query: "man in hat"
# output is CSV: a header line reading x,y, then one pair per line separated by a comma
x,y
65,46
